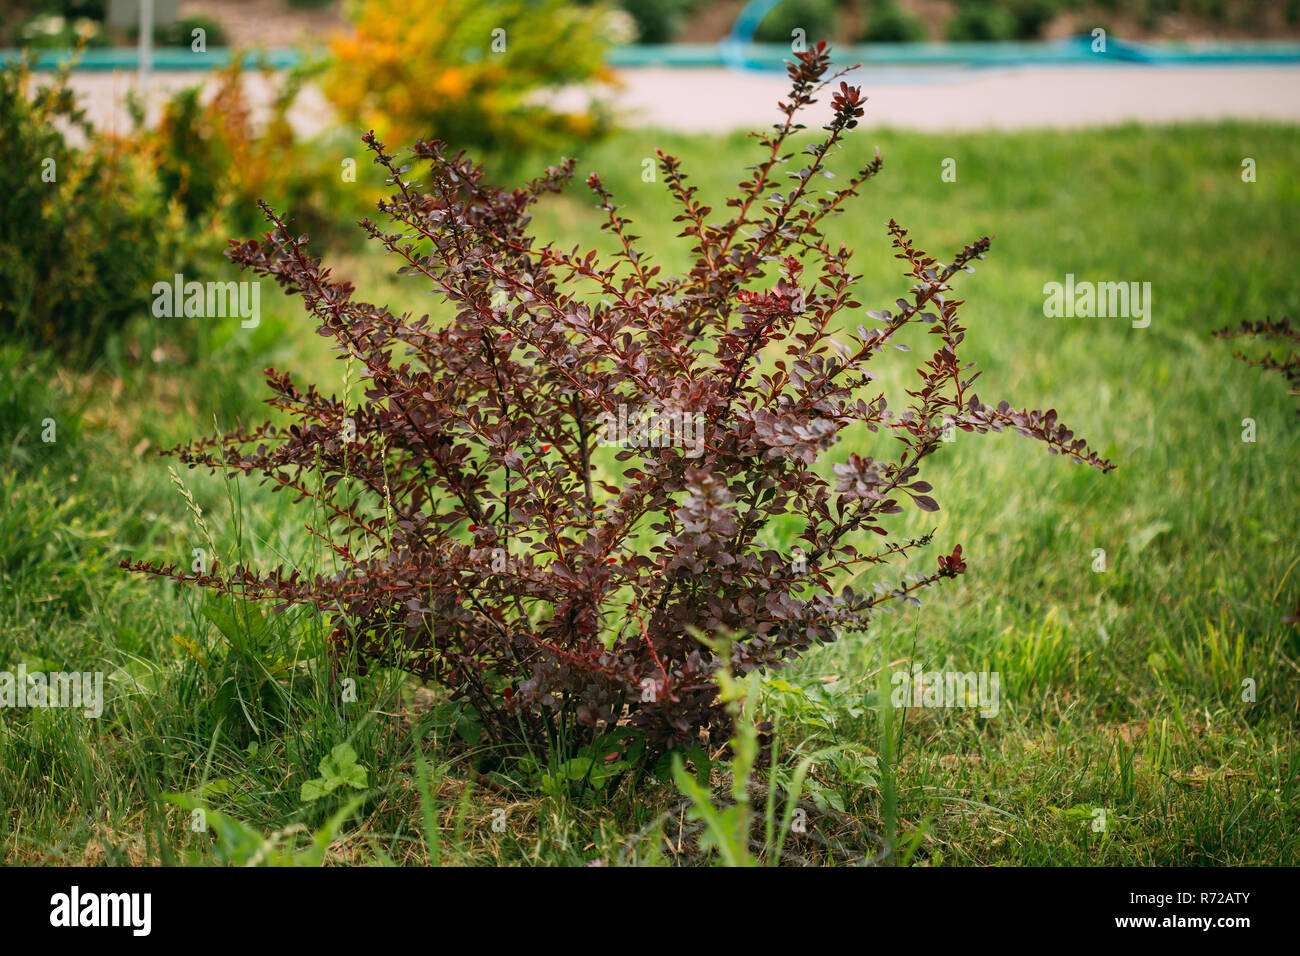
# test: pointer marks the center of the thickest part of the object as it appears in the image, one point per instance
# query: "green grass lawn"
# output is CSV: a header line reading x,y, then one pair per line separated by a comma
x,y
1122,690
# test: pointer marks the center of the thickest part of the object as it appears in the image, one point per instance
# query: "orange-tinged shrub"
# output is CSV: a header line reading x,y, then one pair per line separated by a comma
x,y
468,72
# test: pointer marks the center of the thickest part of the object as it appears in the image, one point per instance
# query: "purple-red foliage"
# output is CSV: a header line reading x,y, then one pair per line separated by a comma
x,y
1281,354
1280,334
486,543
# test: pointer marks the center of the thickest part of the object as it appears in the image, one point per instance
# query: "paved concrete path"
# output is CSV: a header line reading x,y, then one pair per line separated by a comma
x,y
965,99
715,100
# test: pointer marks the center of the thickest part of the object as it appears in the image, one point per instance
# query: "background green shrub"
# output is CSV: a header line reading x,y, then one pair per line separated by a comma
x,y
815,17
1031,16
85,231
658,21
92,228
887,22
181,33
981,21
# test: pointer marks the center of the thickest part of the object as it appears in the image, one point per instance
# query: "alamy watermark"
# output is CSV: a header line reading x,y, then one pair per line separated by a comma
x,y
938,689
1102,300
76,909
57,689
663,429
208,300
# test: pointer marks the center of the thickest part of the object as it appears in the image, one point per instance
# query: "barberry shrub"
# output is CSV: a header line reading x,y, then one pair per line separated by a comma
x,y
487,538
1280,351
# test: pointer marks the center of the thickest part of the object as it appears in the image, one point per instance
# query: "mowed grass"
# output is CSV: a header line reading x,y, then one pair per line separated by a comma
x,y
1121,690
